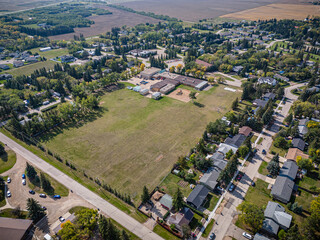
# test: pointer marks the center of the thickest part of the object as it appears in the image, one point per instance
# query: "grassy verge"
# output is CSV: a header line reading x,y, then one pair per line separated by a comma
x,y
207,231
260,140
120,227
2,196
57,188
164,233
7,161
254,138
13,213
263,168
90,185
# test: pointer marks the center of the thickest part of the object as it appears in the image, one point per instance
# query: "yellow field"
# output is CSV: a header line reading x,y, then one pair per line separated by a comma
x,y
278,11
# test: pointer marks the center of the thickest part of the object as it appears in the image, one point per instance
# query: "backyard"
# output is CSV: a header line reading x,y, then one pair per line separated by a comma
x,y
136,140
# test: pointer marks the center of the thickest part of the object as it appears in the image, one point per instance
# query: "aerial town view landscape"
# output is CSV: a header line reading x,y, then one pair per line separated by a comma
x,y
158,119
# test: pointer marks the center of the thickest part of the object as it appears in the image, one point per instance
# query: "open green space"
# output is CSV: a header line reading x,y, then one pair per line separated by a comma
x,y
7,161
57,188
13,213
136,140
50,54
274,150
164,233
263,168
30,68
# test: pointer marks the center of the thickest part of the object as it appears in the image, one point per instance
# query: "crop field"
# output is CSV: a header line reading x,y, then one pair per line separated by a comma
x,y
278,11
137,140
15,5
104,23
190,10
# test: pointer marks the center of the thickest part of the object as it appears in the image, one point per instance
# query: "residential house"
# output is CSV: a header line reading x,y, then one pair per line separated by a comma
x,y
260,103
235,141
245,130
18,63
220,164
224,148
197,196
259,236
281,78
166,201
237,69
298,143
275,218
267,80
14,229
209,179
67,58
293,153
4,67
5,76
268,96
181,218
31,59
284,185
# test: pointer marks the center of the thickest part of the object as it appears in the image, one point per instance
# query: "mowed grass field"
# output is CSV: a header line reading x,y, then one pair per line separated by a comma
x,y
30,68
137,140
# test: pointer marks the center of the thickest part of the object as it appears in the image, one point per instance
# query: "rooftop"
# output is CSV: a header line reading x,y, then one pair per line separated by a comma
x,y
13,229
245,130
198,195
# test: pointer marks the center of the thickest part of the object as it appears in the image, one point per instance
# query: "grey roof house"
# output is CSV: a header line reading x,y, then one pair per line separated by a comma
x,y
267,80
289,169
282,189
236,141
197,196
260,103
298,143
166,201
275,218
224,148
302,130
210,179
268,96
220,164
258,236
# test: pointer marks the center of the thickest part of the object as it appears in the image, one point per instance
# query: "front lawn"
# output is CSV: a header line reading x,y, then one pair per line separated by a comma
x,y
263,168
274,150
211,201
164,233
208,229
259,195
195,222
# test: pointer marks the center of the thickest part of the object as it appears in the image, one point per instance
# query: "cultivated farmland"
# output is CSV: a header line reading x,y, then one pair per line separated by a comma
x,y
136,140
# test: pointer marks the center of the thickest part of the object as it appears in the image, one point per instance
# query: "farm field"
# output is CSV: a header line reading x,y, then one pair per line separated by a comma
x,y
104,23
201,9
278,11
15,5
136,140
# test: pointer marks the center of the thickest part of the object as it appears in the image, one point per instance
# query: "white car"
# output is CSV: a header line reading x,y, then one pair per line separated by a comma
x,y
9,180
23,182
61,219
8,193
247,235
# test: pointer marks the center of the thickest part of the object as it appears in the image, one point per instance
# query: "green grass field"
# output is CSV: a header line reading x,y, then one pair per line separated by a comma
x,y
50,54
7,161
164,233
136,140
28,69
263,168
12,213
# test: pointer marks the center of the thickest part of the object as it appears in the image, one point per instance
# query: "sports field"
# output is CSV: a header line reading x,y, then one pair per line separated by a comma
x,y
136,140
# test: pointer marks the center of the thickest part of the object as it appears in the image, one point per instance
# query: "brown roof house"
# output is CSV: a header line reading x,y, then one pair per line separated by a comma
x,y
14,229
293,153
181,218
245,130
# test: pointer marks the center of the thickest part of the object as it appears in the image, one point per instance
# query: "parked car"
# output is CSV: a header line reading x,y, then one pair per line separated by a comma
x,y
8,193
44,208
231,188
270,176
264,152
23,176
253,184
247,235
32,192
212,236
23,182
42,195
9,180
57,196
61,219
239,176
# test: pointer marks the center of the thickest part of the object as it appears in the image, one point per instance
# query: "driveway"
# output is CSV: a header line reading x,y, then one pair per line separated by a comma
x,y
122,218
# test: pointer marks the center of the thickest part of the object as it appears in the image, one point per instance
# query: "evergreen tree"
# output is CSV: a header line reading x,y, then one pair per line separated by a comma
x,y
35,211
178,200
145,195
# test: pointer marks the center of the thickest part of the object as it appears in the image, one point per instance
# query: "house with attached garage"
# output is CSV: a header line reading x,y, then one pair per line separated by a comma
x,y
181,218
284,185
267,80
197,196
210,178
275,218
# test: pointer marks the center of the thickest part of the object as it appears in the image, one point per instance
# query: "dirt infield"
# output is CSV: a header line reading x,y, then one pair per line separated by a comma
x,y
278,11
184,97
104,23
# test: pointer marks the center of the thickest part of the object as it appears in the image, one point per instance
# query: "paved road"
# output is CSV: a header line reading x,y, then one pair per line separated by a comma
x,y
107,208
224,220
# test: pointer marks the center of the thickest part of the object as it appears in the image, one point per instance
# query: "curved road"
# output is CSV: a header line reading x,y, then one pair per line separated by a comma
x,y
122,218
